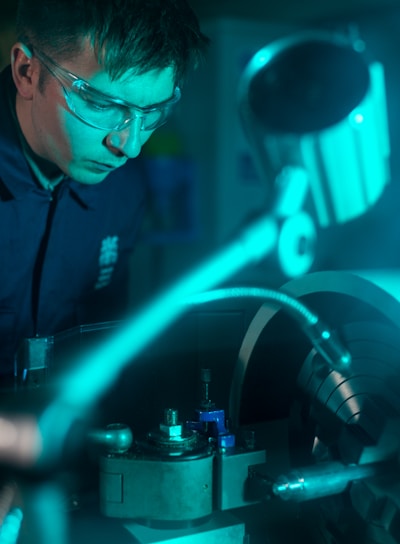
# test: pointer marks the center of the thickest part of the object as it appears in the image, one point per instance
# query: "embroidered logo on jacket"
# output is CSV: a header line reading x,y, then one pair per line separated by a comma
x,y
107,260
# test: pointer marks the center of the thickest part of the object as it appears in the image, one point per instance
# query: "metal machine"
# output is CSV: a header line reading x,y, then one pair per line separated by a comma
x,y
302,450
296,438
330,457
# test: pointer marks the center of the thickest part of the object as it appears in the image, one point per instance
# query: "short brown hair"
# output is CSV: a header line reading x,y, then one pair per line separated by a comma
x,y
137,35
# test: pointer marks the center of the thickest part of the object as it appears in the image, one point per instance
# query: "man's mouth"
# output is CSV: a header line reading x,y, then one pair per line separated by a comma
x,y
105,167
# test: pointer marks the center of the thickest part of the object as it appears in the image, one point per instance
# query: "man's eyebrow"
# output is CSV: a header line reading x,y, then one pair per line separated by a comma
x,y
122,102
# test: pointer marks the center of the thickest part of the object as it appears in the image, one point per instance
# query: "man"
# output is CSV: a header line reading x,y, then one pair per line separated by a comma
x,y
89,82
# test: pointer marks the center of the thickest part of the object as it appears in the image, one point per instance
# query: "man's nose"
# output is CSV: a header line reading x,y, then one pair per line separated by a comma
x,y
127,141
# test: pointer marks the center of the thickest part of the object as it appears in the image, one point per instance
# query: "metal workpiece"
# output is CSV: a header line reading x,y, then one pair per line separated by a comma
x,y
321,480
153,489
116,438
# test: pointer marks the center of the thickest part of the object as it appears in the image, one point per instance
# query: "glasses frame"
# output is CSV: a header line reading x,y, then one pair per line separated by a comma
x,y
133,112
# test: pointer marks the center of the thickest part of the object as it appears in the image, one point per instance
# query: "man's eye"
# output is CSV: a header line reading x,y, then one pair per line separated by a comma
x,y
98,106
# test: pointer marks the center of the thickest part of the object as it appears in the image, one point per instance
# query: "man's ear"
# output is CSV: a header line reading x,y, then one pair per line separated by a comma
x,y
22,70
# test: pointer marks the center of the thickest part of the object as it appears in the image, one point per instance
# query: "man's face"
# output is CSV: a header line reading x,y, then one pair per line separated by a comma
x,y
85,153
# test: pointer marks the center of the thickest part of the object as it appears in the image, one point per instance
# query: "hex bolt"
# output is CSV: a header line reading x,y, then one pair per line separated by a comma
x,y
170,417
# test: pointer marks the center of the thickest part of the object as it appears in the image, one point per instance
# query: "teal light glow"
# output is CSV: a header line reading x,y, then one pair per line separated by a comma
x,y
348,163
358,118
346,360
10,528
291,188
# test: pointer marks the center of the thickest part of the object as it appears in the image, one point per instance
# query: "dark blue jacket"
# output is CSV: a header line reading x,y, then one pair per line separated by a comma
x,y
63,261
